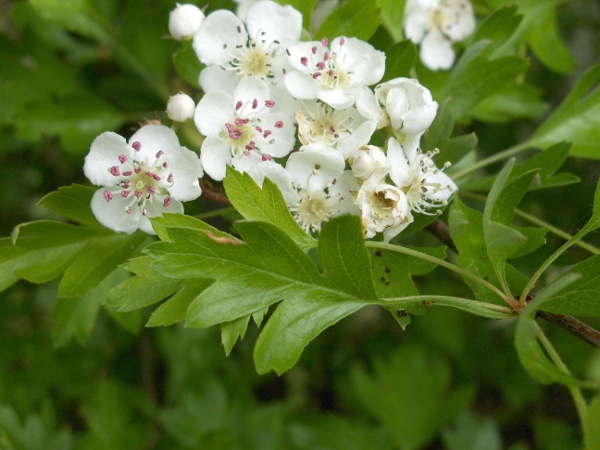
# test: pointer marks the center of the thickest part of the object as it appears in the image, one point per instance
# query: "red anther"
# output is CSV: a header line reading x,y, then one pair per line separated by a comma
x,y
137,193
314,50
254,104
159,154
122,158
279,124
324,42
238,105
127,174
114,171
267,133
167,201
316,75
304,61
137,145
108,195
124,194
269,103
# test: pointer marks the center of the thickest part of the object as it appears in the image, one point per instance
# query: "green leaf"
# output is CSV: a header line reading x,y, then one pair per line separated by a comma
x,y
547,162
76,317
513,101
466,230
400,59
576,120
175,308
392,17
591,424
545,39
98,260
502,240
72,202
77,119
498,27
232,331
354,18
534,360
146,288
580,299
476,77
187,65
47,249
264,268
410,377
266,204
594,222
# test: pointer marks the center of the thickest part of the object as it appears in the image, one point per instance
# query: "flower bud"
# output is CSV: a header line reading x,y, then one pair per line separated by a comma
x,y
368,160
185,21
180,108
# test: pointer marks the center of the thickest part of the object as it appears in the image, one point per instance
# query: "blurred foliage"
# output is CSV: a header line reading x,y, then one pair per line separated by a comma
x,y
70,70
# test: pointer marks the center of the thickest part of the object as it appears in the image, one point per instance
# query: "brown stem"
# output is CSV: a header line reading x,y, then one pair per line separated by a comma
x,y
574,326
213,192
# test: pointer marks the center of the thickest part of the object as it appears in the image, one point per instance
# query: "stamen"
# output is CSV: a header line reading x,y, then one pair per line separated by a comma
x,y
108,195
122,158
137,146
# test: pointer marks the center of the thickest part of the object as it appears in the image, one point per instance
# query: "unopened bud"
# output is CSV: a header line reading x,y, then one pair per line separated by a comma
x,y
185,21
180,108
368,160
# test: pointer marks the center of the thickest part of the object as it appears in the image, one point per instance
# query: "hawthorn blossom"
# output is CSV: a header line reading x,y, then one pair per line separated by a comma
x,y
384,208
185,21
334,74
369,162
232,49
241,126
436,25
342,129
402,103
143,178
426,187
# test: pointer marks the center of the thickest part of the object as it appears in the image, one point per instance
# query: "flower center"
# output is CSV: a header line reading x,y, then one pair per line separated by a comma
x,y
256,63
313,209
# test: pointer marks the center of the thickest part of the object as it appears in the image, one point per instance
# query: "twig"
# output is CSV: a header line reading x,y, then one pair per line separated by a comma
x,y
571,324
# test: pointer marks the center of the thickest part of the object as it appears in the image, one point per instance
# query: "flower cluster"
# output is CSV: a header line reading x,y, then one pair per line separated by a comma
x,y
303,114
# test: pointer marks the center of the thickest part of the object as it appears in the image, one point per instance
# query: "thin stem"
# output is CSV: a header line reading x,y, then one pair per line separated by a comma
x,y
490,160
538,273
542,223
488,310
580,403
443,263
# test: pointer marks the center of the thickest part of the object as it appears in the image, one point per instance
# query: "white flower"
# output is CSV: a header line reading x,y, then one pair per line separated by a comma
x,y
314,168
436,24
185,21
232,50
144,178
240,126
404,104
336,74
181,107
384,209
342,129
426,187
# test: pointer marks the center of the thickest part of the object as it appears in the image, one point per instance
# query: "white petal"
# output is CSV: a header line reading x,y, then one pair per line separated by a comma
x,y
186,168
215,155
278,175
282,135
269,21
212,113
213,78
112,214
447,186
301,85
363,64
104,154
360,136
436,51
302,58
313,168
399,168
459,20
341,98
152,139
366,103
218,37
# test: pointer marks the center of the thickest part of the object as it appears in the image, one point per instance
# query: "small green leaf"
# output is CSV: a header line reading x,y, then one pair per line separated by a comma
x,y
534,360
72,202
547,162
187,65
516,100
400,59
581,298
354,18
576,120
175,308
232,331
475,77
594,222
145,288
498,27
99,259
266,204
